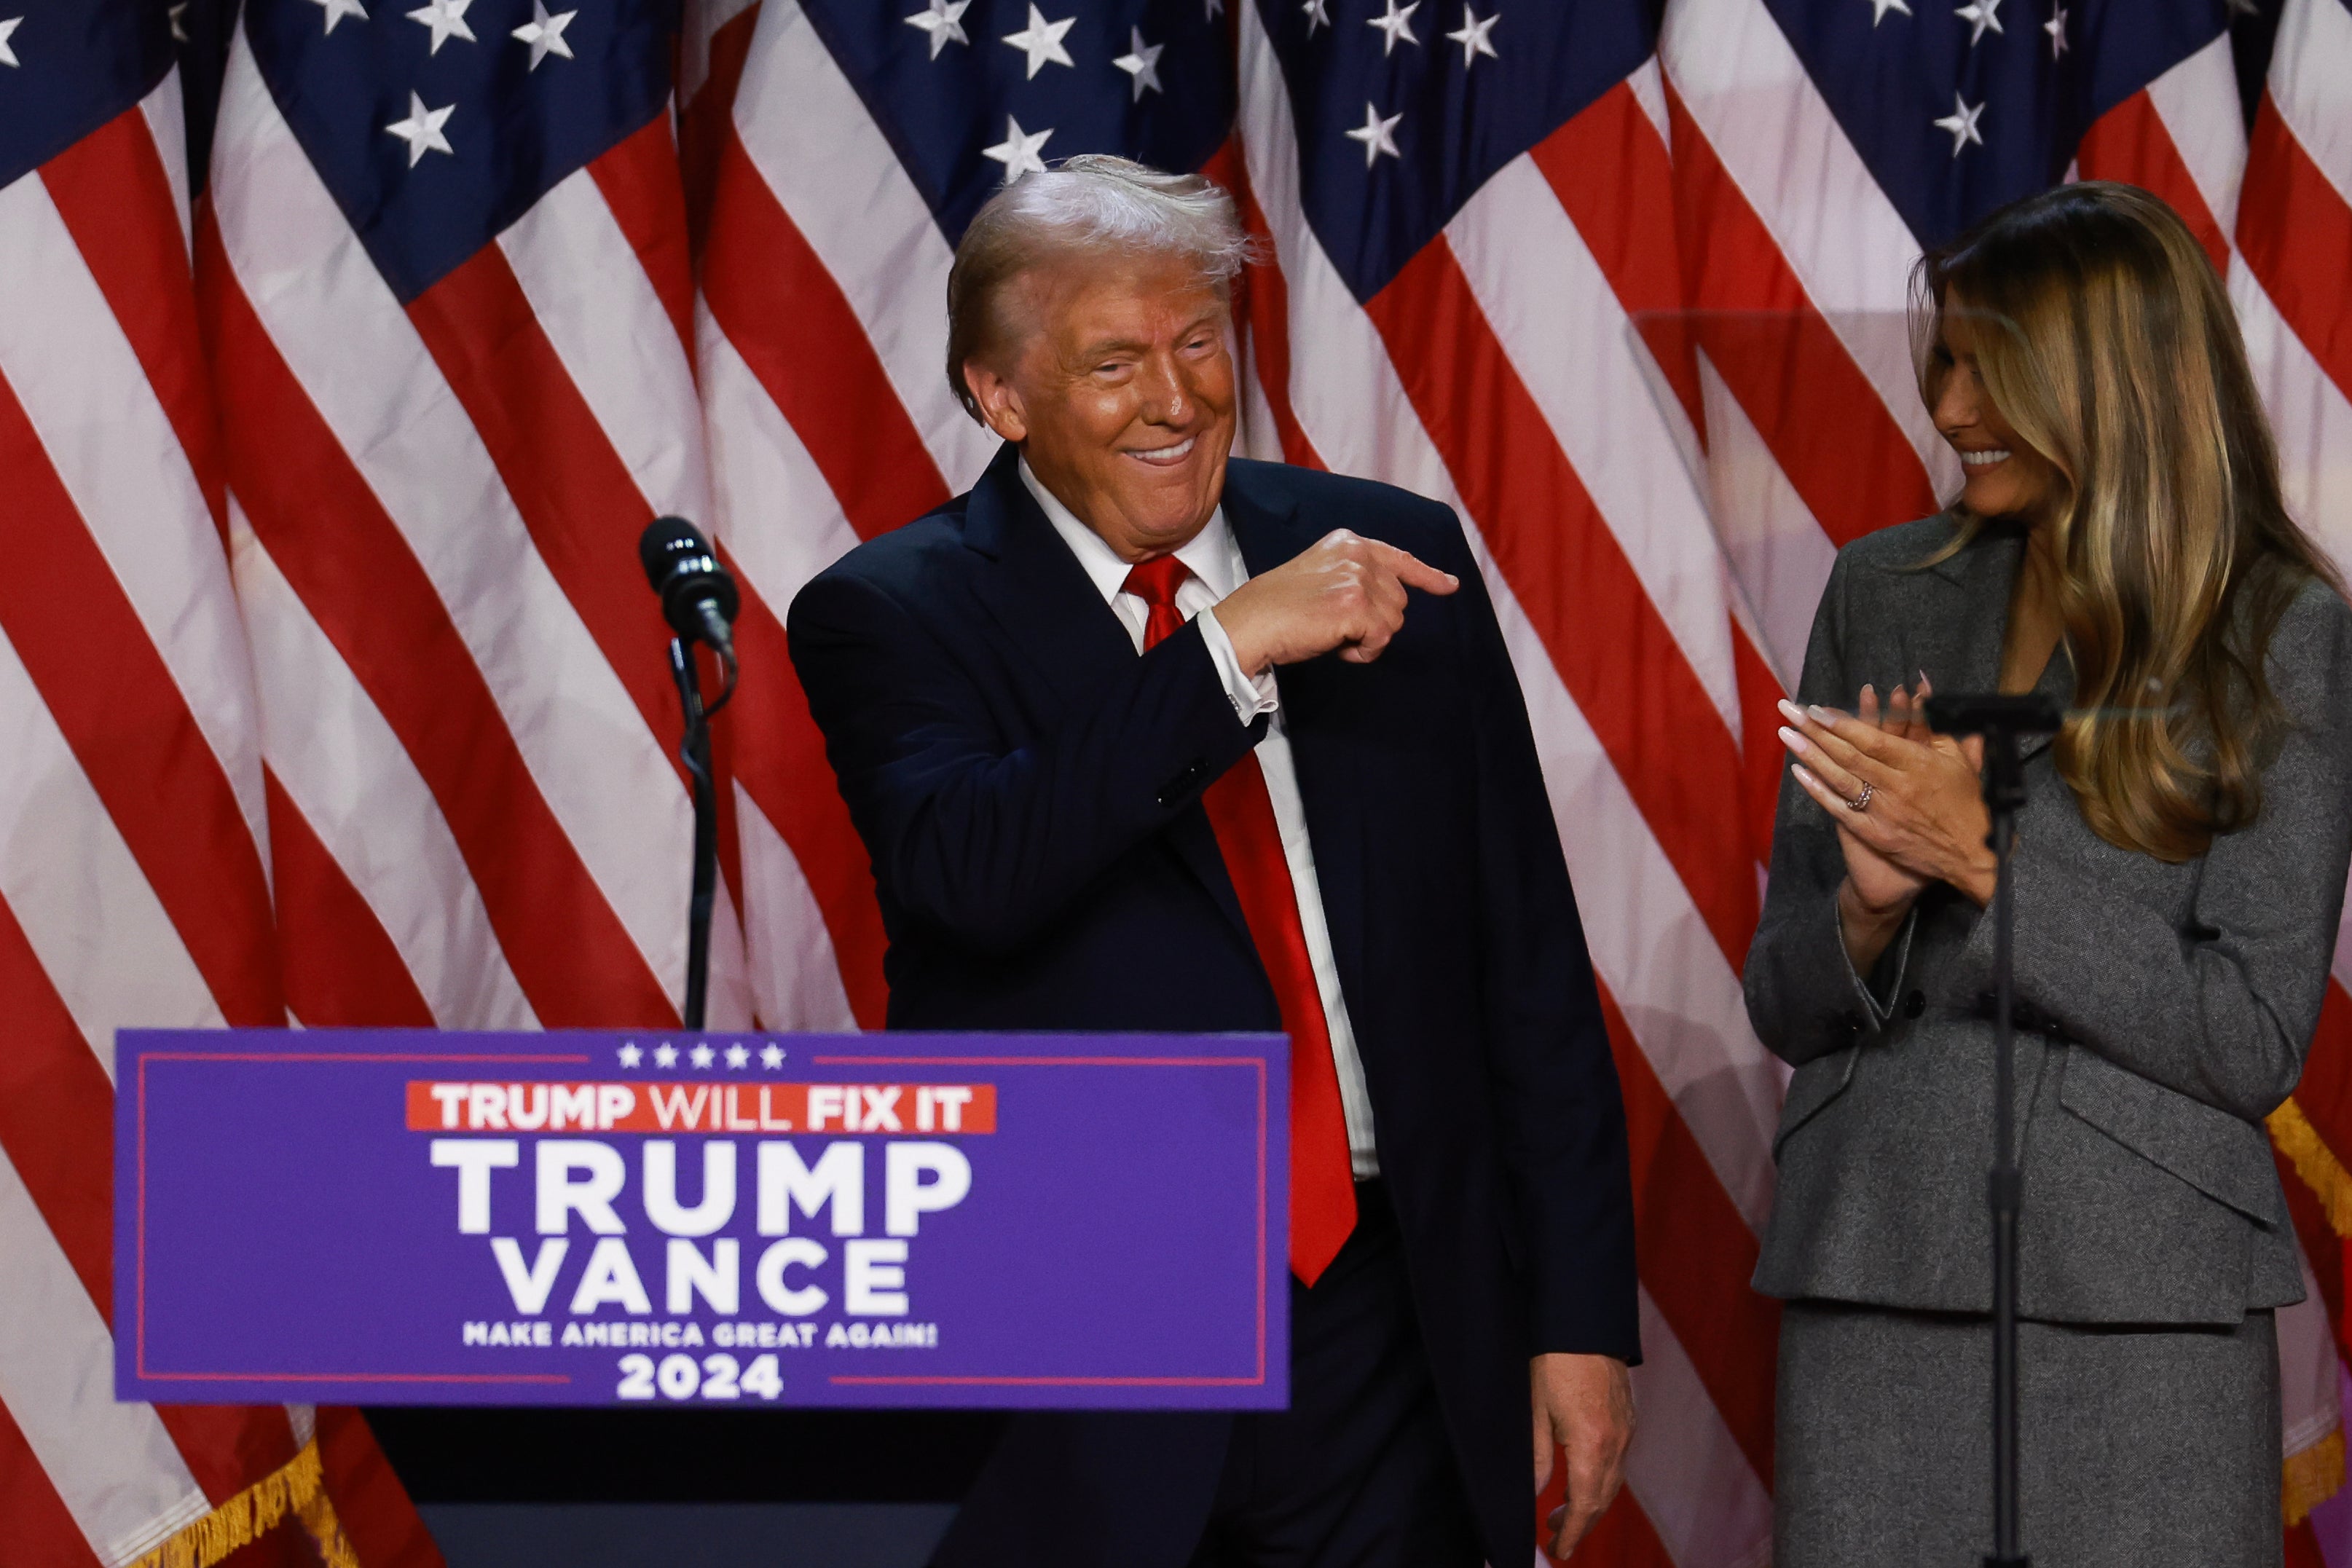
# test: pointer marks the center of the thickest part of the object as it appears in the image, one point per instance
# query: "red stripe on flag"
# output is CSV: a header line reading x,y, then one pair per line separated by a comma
x,y
794,328
39,1526
117,201
1610,645
640,181
783,769
56,1114
342,968
2294,229
1822,420
2321,1245
576,495
2324,1091
1263,303
2131,145
377,1516
123,715
1698,1254
354,573
708,124
2303,1547
1609,171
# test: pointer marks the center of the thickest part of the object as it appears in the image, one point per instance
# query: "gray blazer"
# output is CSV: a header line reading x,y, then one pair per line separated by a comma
x,y
2163,1010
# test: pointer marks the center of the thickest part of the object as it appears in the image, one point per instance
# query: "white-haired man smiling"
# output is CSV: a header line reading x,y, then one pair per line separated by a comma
x,y
1144,736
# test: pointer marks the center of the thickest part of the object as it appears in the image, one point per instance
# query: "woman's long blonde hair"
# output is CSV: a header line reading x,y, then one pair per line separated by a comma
x,y
2105,338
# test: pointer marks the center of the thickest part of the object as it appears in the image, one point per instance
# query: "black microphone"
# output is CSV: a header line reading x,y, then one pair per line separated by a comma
x,y
698,596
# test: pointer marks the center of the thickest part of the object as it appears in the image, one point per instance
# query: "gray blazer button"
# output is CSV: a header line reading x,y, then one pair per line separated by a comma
x,y
1173,792
1915,1004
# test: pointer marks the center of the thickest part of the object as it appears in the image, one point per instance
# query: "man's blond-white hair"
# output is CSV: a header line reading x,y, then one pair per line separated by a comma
x,y
1092,203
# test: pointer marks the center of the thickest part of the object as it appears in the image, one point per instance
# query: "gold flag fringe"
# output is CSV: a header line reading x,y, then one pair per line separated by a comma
x,y
2310,1476
2313,1475
297,1489
2315,1162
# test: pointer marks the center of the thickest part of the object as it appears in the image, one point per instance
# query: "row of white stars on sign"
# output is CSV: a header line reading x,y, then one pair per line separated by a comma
x,y
738,1055
1982,17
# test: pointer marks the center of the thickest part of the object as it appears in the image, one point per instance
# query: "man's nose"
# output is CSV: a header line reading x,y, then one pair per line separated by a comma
x,y
1167,400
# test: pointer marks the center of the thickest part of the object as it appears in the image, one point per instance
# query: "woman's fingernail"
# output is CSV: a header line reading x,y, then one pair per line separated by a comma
x,y
1791,739
1794,713
1804,775
1818,714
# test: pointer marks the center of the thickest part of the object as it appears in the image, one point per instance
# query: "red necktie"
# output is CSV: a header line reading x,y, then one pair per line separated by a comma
x,y
1322,1181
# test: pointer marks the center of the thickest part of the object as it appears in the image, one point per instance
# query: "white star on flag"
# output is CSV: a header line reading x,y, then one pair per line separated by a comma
x,y
7,30
703,1055
738,1055
1473,36
446,18
2056,29
422,129
1374,134
1215,8
337,10
772,1055
544,32
1962,123
1984,14
943,22
1396,25
1316,14
1878,9
1142,63
179,32
1018,151
664,1055
1042,41
631,1055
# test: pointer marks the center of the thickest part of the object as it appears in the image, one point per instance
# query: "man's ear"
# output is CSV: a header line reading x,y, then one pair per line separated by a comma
x,y
1000,405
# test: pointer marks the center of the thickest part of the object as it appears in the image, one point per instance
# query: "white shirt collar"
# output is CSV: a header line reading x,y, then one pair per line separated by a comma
x,y
1213,554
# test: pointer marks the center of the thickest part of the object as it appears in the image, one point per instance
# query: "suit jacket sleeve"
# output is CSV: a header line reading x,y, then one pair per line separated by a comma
x,y
1560,1114
988,840
1804,999
2222,1008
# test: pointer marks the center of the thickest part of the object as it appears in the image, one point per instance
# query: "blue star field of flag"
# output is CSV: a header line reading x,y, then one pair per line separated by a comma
x,y
1404,108
972,93
68,66
1958,106
435,125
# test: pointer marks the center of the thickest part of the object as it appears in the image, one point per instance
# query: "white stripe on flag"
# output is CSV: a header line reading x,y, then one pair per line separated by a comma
x,y
2311,81
1778,555
346,772
113,1465
167,121
92,919
118,456
795,978
2198,101
1687,1471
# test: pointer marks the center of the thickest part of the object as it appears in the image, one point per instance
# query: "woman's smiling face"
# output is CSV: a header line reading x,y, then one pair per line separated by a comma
x,y
2006,478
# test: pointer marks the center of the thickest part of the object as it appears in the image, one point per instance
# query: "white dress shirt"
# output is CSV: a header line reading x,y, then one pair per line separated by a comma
x,y
1215,561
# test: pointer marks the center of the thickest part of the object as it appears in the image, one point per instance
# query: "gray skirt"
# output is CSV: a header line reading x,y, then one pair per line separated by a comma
x,y
2140,1448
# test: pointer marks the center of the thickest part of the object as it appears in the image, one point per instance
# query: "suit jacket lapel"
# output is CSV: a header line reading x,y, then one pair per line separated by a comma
x,y
1047,607
1322,754
1984,574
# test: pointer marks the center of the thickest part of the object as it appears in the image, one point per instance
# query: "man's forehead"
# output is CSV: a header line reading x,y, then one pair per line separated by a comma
x,y
1087,296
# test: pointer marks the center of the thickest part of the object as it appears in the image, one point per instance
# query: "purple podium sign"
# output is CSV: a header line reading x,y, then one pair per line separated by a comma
x,y
408,1217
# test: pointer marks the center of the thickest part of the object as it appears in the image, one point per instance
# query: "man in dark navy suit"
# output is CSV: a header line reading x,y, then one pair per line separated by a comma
x,y
1142,739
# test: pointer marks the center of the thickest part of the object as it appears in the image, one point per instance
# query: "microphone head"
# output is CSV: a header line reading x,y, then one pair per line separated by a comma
x,y
684,571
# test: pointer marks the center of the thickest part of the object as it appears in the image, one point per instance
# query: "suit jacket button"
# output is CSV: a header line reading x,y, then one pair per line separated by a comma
x,y
1851,1023
1915,1004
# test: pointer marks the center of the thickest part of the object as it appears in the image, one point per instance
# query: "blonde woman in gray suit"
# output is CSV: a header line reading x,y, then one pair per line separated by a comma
x,y
2121,543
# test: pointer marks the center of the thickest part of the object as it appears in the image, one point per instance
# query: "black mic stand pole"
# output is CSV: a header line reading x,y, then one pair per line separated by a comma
x,y
694,751
2002,720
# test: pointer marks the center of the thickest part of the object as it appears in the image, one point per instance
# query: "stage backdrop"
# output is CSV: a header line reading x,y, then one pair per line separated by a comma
x,y
328,689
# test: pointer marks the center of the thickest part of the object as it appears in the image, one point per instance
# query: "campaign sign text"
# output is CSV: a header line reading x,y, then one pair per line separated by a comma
x,y
408,1217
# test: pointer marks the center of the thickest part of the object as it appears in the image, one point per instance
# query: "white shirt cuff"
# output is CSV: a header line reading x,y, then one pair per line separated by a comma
x,y
1251,695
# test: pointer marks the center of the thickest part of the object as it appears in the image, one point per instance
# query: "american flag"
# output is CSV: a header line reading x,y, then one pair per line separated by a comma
x,y
134,814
